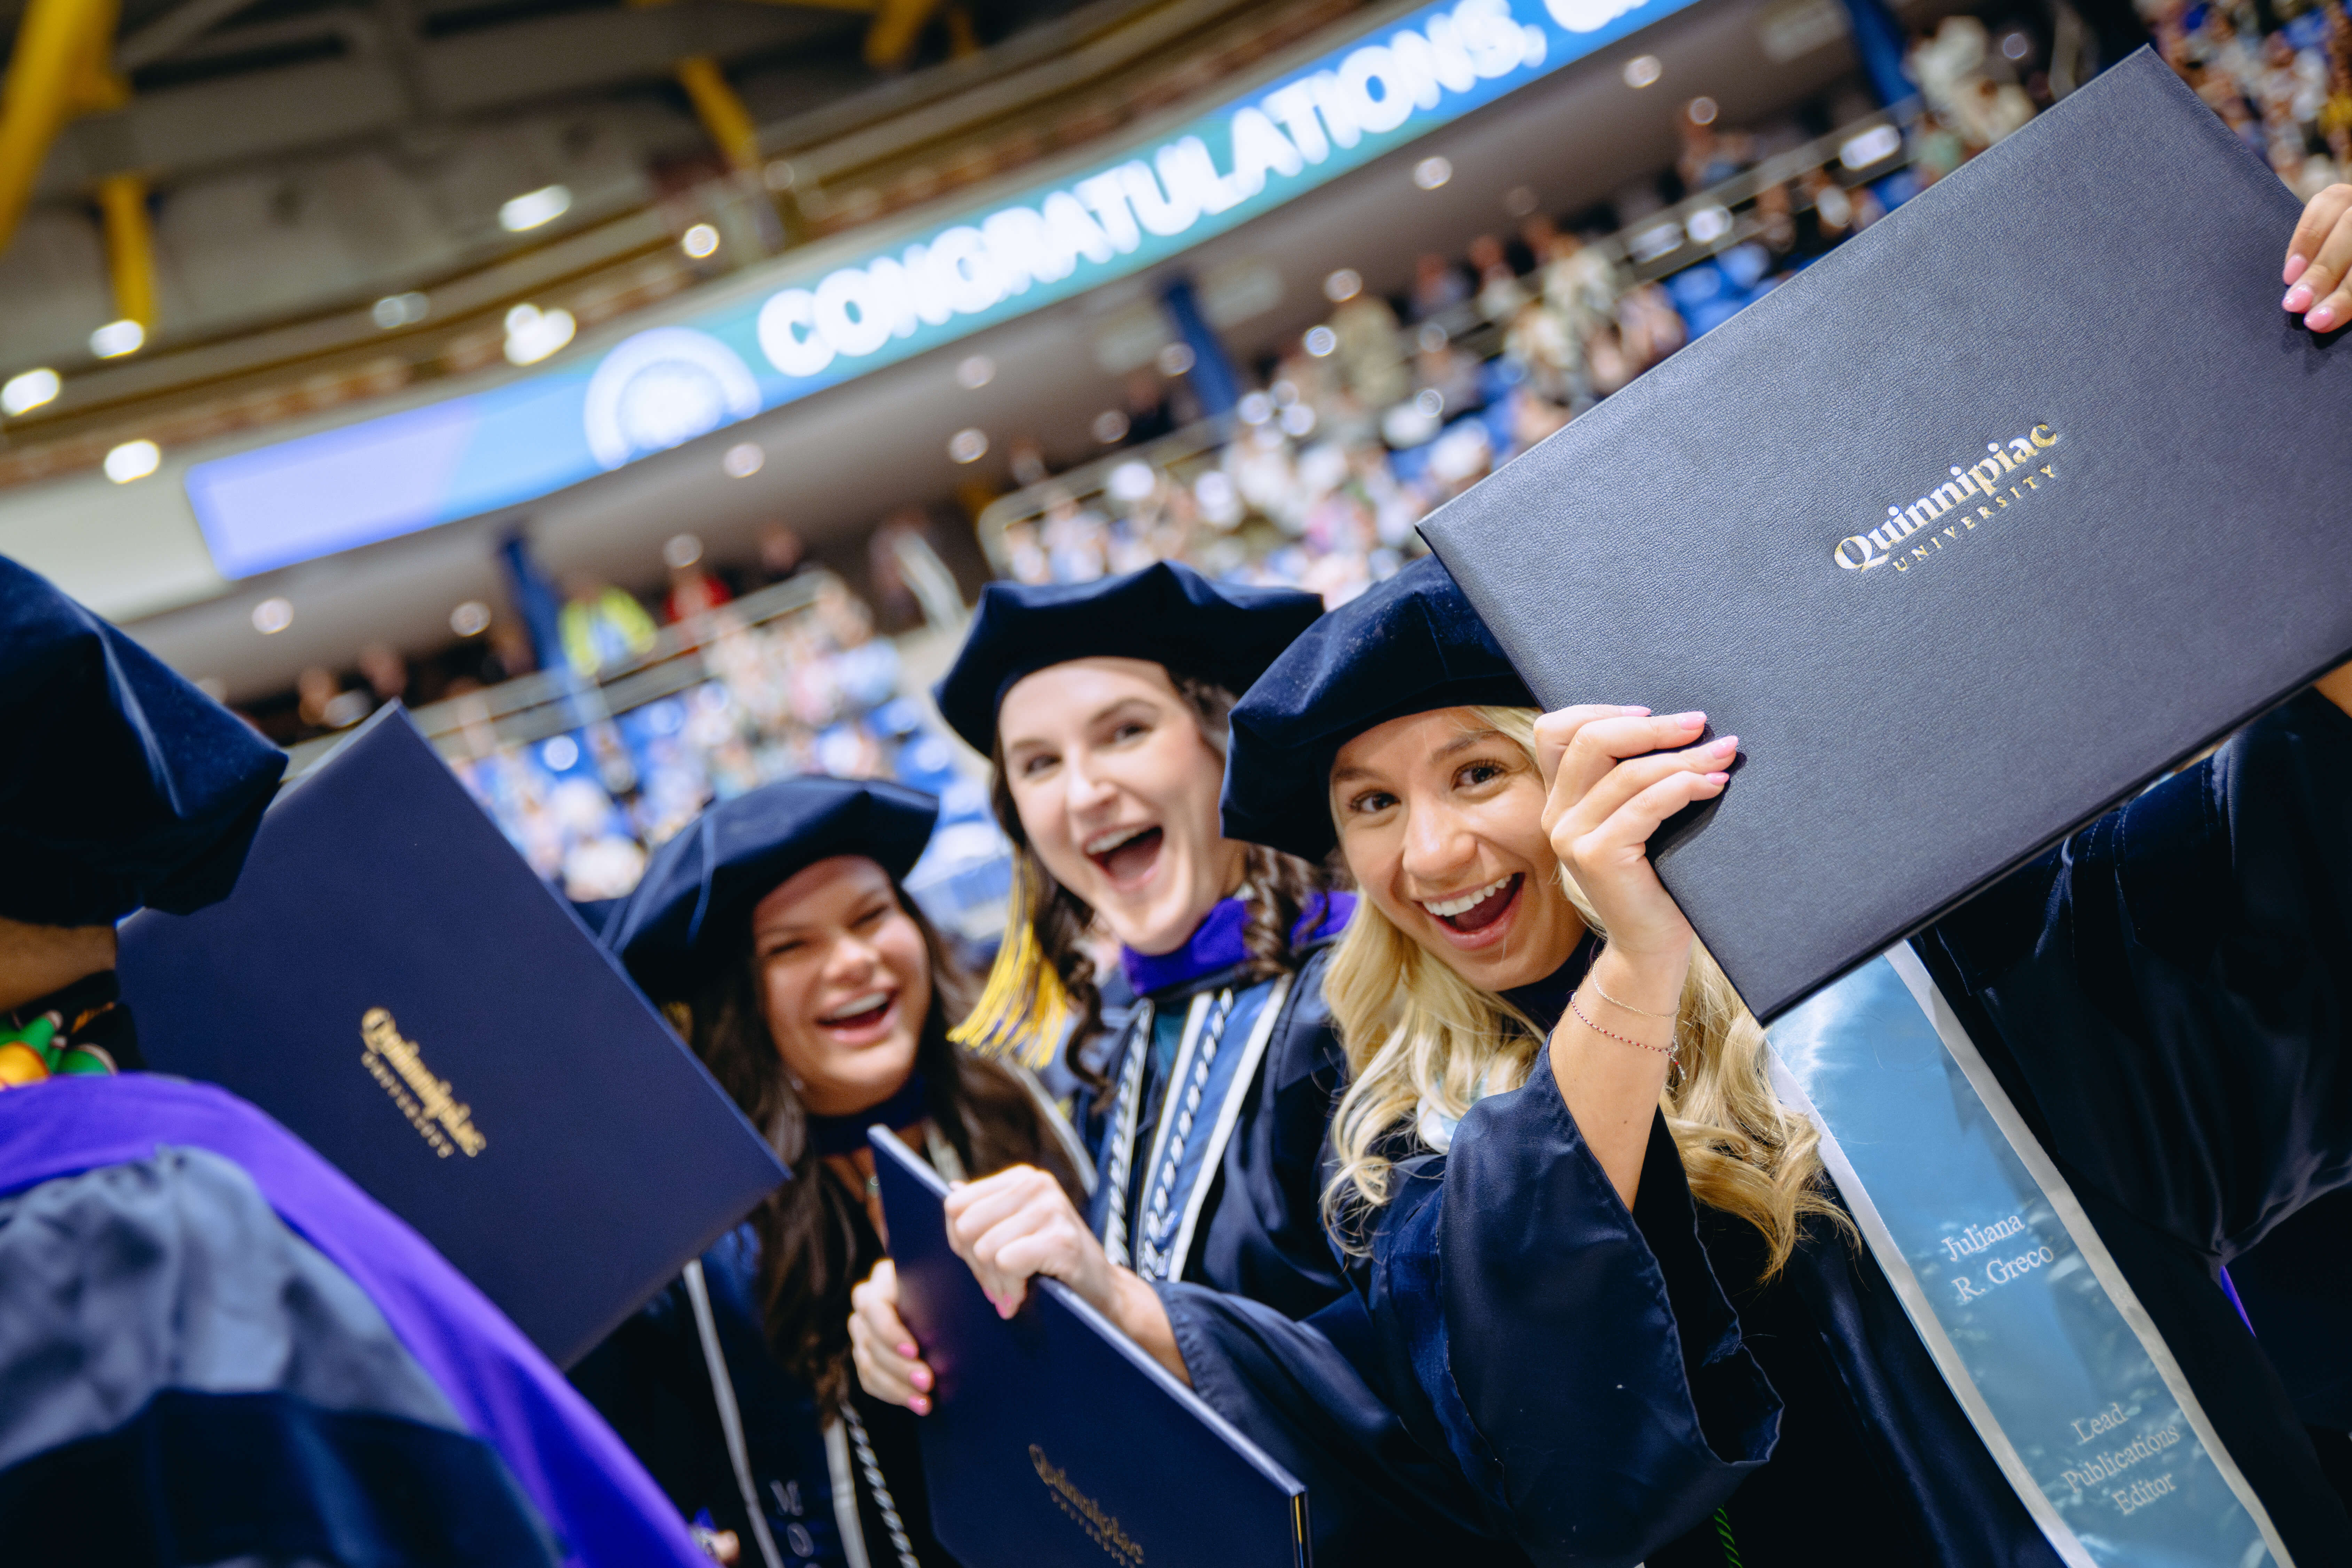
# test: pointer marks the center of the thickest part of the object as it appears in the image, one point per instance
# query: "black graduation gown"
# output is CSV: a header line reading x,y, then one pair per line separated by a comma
x,y
2164,997
650,1380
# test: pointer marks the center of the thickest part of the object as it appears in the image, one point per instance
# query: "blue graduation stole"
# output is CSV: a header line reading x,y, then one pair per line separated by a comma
x,y
2032,1324
1224,1039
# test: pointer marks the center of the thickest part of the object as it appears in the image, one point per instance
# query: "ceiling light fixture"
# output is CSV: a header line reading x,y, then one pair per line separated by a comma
x,y
134,461
116,338
532,333
532,208
28,390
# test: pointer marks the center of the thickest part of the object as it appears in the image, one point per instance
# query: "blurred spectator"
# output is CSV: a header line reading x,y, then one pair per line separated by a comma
x,y
1027,461
894,596
1371,356
782,553
1437,287
1500,298
601,627
694,589
385,670
1147,416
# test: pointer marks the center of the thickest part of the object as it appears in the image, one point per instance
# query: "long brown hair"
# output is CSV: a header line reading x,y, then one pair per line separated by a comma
x,y
1044,974
808,1227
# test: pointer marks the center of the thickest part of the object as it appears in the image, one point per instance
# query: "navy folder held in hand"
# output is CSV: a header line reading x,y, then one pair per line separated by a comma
x,y
1054,1439
392,982
2016,500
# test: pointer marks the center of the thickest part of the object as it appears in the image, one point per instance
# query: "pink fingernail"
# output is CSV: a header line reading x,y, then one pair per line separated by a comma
x,y
1728,744
1687,720
2321,320
920,1405
1636,713
2297,300
1718,778
2294,266
920,1379
906,1348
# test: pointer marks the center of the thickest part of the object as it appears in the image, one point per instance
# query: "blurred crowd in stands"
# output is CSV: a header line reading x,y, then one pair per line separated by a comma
x,y
1386,408
1393,405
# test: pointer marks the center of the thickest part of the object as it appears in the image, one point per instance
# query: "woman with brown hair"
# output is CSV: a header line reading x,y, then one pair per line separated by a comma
x,y
775,933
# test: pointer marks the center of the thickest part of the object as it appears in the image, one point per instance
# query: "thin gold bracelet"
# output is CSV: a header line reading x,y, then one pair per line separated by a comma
x,y
1612,1001
1671,1051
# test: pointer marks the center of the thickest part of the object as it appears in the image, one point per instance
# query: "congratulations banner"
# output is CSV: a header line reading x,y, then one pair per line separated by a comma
x,y
2035,1329
377,479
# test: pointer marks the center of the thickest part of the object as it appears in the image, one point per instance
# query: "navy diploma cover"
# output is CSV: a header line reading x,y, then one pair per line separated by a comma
x,y
392,982
2007,505
1054,1439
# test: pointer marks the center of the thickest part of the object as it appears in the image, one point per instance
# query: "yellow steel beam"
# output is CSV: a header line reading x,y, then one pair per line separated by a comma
x,y
723,114
57,72
898,27
129,247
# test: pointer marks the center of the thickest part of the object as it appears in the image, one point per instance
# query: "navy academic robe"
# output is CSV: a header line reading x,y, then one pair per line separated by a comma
x,y
1260,1231
651,1382
2164,996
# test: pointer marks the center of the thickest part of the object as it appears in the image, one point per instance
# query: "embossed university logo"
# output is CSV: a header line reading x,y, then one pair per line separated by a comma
x,y
427,1101
1945,515
1101,1528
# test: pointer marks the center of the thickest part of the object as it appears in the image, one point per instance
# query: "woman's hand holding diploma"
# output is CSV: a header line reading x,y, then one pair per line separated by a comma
x,y
1612,775
1008,1226
1019,1221
890,1364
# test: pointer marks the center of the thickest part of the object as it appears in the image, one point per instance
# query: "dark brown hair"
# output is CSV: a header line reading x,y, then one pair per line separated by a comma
x,y
808,1227
1276,889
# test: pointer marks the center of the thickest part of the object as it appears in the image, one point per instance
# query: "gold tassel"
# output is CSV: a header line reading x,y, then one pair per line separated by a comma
x,y
1022,1010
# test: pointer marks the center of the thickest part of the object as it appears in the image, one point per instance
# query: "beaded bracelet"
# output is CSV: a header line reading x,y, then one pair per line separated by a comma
x,y
1669,1050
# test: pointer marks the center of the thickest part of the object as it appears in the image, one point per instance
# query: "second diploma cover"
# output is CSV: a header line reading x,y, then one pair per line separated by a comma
x,y
2009,503
1054,1439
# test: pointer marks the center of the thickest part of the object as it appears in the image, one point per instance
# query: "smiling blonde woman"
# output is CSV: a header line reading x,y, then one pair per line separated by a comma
x,y
1607,1285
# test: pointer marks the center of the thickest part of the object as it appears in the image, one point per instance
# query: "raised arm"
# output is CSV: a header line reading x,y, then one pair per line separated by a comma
x,y
1612,775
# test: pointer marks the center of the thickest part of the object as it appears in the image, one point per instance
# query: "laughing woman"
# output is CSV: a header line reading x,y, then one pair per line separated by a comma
x,y
1103,708
775,932
1607,1275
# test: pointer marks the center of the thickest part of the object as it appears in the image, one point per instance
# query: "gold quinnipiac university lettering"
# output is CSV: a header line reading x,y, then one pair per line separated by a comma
x,y
1975,494
427,1101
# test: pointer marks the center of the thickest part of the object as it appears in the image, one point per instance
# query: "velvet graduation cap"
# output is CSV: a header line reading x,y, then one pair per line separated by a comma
x,y
1167,613
692,912
1406,646
124,785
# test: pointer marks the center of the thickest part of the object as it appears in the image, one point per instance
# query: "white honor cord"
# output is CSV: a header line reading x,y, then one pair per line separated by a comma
x,y
1124,1114
883,1501
844,1495
730,1419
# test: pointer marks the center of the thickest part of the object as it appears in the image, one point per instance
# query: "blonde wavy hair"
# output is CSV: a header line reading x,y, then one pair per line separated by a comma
x,y
1419,1038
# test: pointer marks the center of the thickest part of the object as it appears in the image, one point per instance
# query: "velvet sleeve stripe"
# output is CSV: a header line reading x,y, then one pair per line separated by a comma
x,y
200,1477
